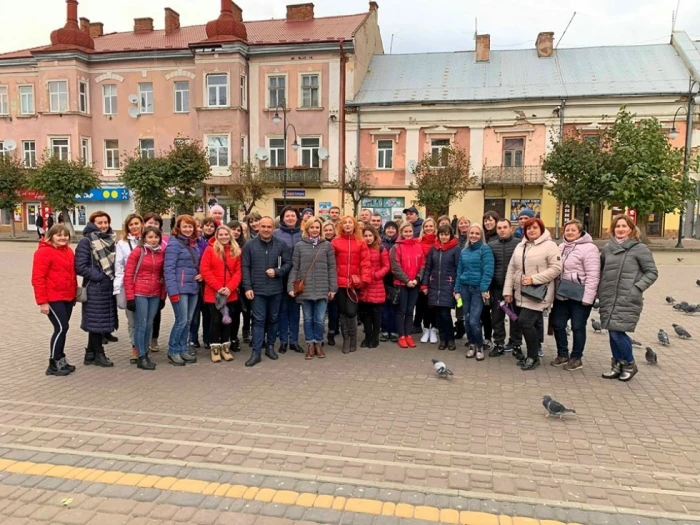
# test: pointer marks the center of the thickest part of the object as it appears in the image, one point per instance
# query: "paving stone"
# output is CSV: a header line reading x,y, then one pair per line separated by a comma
x,y
280,483
19,455
391,495
386,520
273,509
164,470
307,486
69,485
211,502
119,491
323,515
204,475
414,498
15,479
147,495
253,507
185,499
294,512
50,483
524,510
205,517
326,488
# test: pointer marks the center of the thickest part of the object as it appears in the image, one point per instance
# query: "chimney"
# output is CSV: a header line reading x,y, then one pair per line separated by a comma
x,y
172,21
85,24
373,6
96,29
143,25
545,44
483,48
237,12
300,12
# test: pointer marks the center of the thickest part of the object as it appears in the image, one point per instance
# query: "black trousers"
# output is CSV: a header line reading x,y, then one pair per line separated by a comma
x,y
347,303
425,315
371,320
404,311
486,321
443,318
218,332
528,321
94,343
59,315
235,310
156,325
516,335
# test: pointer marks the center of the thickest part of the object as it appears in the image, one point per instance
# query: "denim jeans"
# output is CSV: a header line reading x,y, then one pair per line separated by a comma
x,y
265,311
201,313
578,313
473,305
146,308
621,346
314,319
184,311
289,320
131,326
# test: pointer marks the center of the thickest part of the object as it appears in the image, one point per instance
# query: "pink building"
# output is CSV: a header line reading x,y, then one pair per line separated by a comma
x,y
96,95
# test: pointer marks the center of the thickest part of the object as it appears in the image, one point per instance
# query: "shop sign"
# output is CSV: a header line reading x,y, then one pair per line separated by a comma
x,y
105,194
295,193
31,195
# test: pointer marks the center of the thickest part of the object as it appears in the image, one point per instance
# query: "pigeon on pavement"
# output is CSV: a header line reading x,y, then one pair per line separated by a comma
x,y
441,368
691,309
651,356
596,325
682,333
697,282
670,300
554,408
635,342
663,337
596,303
680,259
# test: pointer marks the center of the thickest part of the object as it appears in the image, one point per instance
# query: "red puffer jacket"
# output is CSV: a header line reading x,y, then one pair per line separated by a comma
x,y
407,261
212,269
53,273
149,280
427,241
379,260
351,258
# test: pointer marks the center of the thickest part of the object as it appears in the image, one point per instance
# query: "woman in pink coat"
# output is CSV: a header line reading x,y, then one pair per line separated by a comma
x,y
581,266
372,296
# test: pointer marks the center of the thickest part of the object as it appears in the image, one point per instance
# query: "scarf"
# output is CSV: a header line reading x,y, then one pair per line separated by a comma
x,y
621,241
314,240
102,245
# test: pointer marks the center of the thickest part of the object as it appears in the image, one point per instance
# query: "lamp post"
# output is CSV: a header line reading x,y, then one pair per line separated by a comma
x,y
673,134
295,145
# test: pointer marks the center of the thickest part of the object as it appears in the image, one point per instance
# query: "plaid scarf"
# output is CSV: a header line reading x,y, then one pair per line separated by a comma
x,y
103,251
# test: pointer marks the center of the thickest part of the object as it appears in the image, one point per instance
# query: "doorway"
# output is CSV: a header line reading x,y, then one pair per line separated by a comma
x,y
497,205
297,204
33,211
591,217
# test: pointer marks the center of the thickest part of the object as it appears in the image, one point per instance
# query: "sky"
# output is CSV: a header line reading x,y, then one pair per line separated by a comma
x,y
416,25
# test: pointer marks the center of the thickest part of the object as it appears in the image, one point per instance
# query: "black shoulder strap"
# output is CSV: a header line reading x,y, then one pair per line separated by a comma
x,y
189,250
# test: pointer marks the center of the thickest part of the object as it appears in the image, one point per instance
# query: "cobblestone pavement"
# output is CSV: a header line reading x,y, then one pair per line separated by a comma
x,y
372,437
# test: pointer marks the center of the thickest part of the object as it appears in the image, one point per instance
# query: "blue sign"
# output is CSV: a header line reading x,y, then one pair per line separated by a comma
x,y
105,194
295,193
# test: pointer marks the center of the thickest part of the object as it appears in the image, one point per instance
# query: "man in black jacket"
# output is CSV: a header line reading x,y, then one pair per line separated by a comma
x,y
266,261
503,247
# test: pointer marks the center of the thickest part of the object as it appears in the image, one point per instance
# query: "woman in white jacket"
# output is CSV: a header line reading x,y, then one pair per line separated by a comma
x,y
130,237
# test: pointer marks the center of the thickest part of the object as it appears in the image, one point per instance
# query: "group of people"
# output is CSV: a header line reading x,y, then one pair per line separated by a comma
x,y
394,280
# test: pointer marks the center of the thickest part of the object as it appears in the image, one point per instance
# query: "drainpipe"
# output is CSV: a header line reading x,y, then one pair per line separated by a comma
x,y
561,138
341,124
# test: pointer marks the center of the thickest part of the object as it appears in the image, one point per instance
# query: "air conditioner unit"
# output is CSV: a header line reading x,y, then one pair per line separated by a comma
x,y
215,189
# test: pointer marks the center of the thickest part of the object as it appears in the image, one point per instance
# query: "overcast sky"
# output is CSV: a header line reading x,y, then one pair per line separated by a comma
x,y
417,25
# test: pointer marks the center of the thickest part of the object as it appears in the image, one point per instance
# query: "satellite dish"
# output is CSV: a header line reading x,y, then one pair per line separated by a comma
x,y
261,154
322,153
134,112
412,165
9,144
133,99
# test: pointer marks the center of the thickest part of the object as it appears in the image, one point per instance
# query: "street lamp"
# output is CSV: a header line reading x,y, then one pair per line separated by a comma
x,y
295,145
673,134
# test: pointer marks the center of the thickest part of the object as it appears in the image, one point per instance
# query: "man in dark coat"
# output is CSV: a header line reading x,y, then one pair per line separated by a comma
x,y
412,217
266,261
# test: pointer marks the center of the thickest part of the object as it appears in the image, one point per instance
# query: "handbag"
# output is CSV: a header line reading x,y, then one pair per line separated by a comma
x,y
536,292
570,289
393,295
300,284
81,294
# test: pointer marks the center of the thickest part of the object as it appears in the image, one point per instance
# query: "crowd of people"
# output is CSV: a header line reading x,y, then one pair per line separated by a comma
x,y
252,281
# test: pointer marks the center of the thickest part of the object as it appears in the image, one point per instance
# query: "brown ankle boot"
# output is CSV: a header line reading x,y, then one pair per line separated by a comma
x,y
309,351
215,353
226,352
319,351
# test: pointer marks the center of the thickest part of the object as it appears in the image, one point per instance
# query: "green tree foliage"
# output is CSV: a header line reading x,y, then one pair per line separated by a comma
x,y
61,181
148,180
357,187
442,180
188,169
249,187
13,179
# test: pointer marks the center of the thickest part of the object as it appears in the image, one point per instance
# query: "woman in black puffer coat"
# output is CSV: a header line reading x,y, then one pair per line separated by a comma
x,y
94,262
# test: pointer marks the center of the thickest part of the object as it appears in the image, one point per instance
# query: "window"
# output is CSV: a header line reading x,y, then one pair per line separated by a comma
x,y
277,155
111,154
58,96
145,97
60,148
109,94
309,91
244,148
29,153
148,148
218,150
217,88
83,104
436,147
385,154
182,97
276,88
26,100
513,152
2,150
244,91
309,152
4,106
85,153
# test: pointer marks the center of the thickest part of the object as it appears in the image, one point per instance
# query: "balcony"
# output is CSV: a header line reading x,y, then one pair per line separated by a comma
x,y
509,176
305,177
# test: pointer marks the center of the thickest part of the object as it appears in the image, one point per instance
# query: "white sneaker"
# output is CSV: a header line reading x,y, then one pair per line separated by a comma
x,y
426,335
433,335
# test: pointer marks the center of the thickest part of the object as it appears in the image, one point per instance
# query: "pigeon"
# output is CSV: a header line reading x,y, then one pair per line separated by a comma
x,y
697,282
690,308
663,337
682,333
670,300
651,356
679,306
596,304
554,408
635,343
680,259
596,325
441,368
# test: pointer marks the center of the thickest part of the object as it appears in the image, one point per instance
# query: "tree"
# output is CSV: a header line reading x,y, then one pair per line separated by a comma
x,y
357,186
441,181
148,179
13,179
61,181
249,187
188,168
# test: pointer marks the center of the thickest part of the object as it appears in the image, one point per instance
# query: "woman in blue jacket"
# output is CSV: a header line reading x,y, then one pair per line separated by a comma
x,y
474,274
182,280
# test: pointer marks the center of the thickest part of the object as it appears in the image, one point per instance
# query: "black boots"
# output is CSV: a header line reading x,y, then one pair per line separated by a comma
x,y
296,348
283,348
270,353
57,368
345,330
144,363
331,339
254,359
235,345
459,330
97,358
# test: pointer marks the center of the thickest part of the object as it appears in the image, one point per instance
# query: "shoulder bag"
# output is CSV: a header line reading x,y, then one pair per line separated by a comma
x,y
570,289
300,284
536,292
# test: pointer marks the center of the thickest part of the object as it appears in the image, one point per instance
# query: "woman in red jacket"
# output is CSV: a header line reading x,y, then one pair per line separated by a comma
x,y
54,282
221,269
354,272
372,297
407,265
144,286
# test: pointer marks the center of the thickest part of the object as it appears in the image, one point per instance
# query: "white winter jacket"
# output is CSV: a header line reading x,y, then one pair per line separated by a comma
x,y
124,248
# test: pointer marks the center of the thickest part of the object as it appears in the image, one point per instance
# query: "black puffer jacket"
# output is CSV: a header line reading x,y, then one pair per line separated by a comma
x,y
388,243
502,253
258,257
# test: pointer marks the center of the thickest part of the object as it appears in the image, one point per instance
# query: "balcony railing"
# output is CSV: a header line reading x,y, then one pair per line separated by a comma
x,y
305,176
522,176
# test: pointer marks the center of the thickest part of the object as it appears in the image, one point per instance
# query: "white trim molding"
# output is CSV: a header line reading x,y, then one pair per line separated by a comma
x,y
386,132
180,73
440,130
109,76
513,131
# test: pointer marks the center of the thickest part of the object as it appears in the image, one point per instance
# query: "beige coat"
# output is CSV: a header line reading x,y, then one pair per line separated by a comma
x,y
542,263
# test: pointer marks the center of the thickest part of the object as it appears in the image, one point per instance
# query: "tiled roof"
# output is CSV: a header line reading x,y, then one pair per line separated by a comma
x,y
326,29
520,74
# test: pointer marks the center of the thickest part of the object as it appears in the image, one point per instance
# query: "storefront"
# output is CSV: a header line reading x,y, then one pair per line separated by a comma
x,y
32,206
115,201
